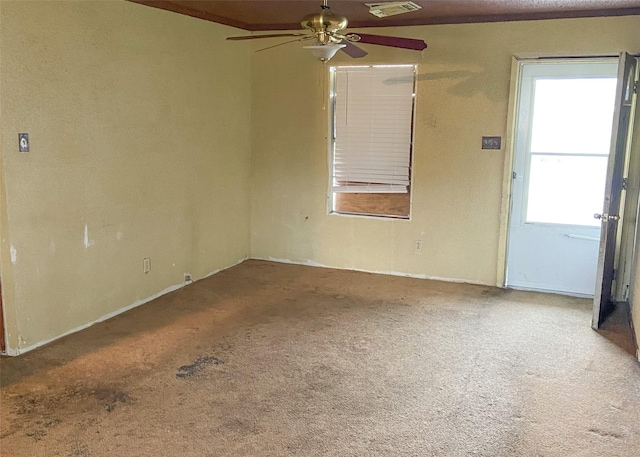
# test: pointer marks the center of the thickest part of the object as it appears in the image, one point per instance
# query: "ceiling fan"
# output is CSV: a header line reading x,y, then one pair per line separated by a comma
x,y
327,29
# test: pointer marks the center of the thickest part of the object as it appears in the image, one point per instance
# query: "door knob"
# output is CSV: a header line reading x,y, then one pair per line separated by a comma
x,y
606,217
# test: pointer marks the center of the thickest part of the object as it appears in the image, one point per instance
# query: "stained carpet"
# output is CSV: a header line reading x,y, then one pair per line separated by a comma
x,y
268,359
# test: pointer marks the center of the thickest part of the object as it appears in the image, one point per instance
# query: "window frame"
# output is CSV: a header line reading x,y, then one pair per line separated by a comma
x,y
331,194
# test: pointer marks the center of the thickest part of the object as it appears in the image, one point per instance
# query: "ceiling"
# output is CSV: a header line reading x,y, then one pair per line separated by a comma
x,y
260,15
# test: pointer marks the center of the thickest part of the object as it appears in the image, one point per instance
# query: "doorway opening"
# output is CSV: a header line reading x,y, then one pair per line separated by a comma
x,y
565,110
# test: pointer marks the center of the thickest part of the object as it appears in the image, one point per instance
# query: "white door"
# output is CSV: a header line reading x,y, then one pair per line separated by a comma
x,y
563,132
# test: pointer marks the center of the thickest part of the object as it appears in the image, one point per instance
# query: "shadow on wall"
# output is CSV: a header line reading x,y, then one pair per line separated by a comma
x,y
470,82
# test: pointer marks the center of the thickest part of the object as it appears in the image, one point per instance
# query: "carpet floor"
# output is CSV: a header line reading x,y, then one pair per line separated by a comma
x,y
268,359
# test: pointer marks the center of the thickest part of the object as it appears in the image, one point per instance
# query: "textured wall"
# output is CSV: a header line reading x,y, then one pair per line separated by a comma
x,y
458,206
142,122
139,128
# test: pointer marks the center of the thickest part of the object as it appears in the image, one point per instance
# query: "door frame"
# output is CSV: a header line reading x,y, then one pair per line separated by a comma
x,y
570,265
510,146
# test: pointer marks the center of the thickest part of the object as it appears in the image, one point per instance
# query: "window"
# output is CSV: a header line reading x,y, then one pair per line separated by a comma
x,y
570,139
372,137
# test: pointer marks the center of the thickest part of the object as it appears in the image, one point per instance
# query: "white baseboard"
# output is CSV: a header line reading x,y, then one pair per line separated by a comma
x,y
311,263
21,350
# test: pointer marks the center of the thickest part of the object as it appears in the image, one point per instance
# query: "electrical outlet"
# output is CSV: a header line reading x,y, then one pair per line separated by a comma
x,y
146,265
418,246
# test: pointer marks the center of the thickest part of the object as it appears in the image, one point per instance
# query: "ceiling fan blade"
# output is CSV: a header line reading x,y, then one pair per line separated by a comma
x,y
352,50
392,41
304,38
271,35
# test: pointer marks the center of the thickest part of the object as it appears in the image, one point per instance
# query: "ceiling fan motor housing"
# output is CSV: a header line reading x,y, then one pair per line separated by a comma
x,y
324,23
326,27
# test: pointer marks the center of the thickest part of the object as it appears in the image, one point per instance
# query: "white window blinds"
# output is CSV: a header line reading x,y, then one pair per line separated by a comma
x,y
373,127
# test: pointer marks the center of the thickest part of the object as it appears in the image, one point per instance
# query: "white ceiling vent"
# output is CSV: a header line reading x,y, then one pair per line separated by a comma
x,y
392,8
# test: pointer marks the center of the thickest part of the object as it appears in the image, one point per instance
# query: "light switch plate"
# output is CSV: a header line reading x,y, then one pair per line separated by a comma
x,y
23,142
491,142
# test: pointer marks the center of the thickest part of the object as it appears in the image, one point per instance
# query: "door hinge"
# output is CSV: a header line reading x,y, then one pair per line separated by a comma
x,y
614,275
635,87
625,183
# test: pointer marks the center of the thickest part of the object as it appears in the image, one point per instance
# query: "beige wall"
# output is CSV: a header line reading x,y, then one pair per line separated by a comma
x,y
139,121
463,93
153,137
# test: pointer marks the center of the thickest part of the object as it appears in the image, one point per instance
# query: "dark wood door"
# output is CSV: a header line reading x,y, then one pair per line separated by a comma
x,y
603,304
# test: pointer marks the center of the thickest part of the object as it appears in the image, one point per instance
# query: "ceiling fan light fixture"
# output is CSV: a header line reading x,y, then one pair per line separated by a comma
x,y
325,28
325,52
392,8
